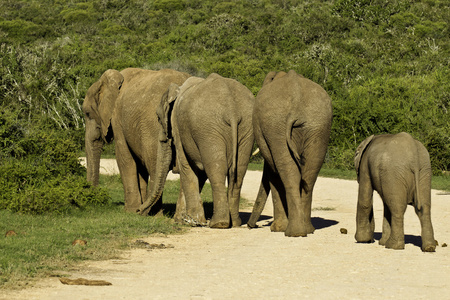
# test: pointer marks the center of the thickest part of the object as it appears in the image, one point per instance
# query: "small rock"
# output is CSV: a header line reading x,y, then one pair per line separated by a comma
x,y
343,231
79,242
444,245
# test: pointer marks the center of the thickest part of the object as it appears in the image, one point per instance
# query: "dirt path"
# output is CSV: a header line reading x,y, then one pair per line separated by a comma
x,y
258,264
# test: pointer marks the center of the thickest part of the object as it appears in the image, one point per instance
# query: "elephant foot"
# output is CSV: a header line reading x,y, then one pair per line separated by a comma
x,y
383,240
279,226
295,230
236,222
310,228
429,246
133,209
194,222
395,244
178,218
364,236
219,223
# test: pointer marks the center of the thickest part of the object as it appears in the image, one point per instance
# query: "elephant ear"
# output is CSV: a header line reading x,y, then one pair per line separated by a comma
x,y
111,83
359,152
90,108
164,111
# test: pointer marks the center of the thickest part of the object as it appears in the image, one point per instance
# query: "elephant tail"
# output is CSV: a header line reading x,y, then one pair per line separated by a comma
x,y
295,151
417,197
233,170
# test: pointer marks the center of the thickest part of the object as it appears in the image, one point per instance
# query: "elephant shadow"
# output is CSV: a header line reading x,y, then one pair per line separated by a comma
x,y
415,240
318,223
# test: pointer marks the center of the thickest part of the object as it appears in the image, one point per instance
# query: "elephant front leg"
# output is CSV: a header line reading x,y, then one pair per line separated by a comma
x,y
129,175
365,223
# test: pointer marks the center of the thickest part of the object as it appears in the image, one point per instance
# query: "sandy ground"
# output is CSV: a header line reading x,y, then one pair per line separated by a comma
x,y
258,264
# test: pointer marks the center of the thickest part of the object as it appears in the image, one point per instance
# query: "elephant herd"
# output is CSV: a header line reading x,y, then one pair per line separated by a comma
x,y
205,128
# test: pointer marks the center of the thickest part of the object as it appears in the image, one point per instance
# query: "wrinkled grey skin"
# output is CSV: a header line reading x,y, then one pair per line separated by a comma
x,y
209,121
292,123
122,106
398,168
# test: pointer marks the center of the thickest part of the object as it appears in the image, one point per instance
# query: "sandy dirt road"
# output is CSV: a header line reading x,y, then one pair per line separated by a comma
x,y
258,264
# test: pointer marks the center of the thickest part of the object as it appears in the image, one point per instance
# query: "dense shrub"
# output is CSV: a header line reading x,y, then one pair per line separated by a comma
x,y
40,171
28,187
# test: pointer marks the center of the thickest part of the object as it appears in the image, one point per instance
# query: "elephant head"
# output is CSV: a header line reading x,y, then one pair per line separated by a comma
x,y
98,108
359,152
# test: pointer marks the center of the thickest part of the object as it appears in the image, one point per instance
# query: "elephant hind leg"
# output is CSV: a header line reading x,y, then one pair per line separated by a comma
x,y
424,214
365,222
396,239
195,214
314,156
386,225
428,241
216,167
221,214
280,221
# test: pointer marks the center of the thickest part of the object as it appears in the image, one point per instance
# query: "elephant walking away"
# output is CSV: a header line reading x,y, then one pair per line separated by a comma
x,y
397,167
122,106
292,123
210,122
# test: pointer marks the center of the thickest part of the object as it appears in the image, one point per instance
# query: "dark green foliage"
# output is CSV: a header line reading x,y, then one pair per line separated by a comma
x,y
40,171
57,195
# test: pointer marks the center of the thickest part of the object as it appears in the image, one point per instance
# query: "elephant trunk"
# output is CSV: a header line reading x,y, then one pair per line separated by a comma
x,y
164,160
93,154
261,199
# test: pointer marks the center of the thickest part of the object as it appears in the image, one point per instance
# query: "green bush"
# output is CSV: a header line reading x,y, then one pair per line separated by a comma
x,y
169,5
54,195
22,30
40,171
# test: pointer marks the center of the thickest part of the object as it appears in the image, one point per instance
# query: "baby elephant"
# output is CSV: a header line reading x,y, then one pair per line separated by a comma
x,y
398,168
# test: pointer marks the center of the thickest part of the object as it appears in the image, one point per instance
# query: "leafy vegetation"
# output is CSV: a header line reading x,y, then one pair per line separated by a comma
x,y
384,63
40,171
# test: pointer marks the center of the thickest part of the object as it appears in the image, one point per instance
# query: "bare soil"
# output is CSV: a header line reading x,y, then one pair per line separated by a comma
x,y
259,264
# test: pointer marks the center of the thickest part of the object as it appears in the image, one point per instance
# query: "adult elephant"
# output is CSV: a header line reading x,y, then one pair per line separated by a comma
x,y
292,124
398,167
122,106
210,122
